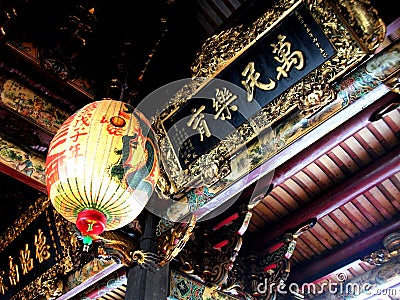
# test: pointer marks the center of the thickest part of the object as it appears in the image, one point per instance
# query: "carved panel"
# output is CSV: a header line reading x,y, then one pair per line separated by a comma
x,y
36,252
321,42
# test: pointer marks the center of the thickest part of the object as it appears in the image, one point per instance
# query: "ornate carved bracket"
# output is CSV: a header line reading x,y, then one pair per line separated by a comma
x,y
213,249
261,277
74,36
8,14
172,241
391,250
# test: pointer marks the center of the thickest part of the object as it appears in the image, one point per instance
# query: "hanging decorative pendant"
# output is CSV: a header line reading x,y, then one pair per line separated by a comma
x,y
102,166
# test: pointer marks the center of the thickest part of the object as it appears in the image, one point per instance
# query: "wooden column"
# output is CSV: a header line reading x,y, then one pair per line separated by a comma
x,y
148,284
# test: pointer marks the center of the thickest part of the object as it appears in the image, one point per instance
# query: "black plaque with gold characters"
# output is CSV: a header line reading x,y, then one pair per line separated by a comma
x,y
284,66
205,119
35,253
281,58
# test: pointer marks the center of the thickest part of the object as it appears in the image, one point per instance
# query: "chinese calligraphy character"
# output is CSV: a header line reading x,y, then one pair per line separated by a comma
x,y
103,120
252,80
114,130
13,274
42,250
3,287
222,104
180,136
53,164
198,123
75,150
76,136
286,57
187,151
85,119
26,260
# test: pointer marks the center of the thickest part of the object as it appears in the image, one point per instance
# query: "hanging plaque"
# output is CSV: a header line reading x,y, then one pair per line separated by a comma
x,y
35,252
259,88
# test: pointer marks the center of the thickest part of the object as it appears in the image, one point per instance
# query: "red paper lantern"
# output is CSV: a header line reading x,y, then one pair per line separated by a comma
x,y
102,166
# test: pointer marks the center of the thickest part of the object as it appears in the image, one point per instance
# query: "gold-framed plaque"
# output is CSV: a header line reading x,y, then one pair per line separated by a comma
x,y
262,82
36,252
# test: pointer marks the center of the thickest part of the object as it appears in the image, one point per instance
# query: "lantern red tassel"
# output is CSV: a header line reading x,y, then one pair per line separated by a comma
x,y
102,166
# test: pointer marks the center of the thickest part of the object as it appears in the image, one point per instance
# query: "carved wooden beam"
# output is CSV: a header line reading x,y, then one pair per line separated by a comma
x,y
8,14
315,150
23,178
344,192
352,249
367,285
331,140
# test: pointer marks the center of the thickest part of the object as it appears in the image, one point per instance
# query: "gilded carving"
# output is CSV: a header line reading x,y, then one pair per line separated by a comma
x,y
220,49
364,20
123,248
172,241
261,277
212,251
382,68
394,83
33,53
21,223
50,282
275,278
353,29
219,273
391,243
87,271
380,256
51,286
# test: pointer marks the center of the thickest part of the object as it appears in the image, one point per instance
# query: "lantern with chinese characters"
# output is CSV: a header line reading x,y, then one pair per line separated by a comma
x,y
102,166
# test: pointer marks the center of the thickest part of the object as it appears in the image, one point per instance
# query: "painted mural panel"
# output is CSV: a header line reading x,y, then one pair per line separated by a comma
x,y
183,287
